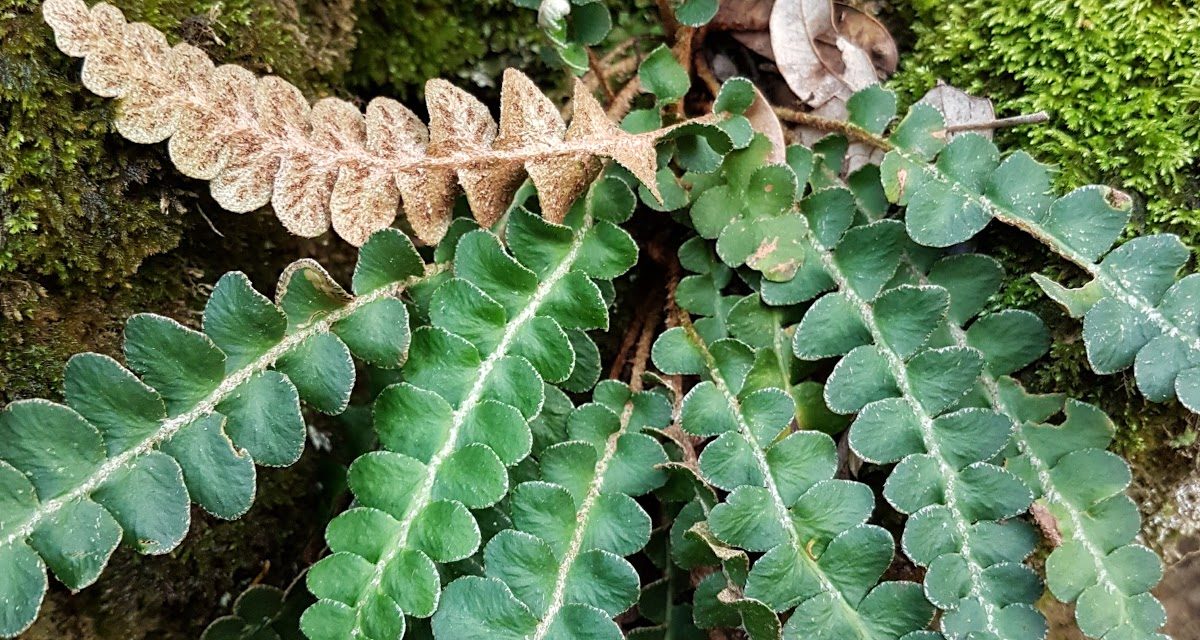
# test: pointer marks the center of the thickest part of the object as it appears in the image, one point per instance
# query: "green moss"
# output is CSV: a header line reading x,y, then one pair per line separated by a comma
x,y
468,42
1119,80
1118,77
79,203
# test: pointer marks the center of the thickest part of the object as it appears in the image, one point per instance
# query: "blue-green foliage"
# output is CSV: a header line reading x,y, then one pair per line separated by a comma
x,y
560,571
495,508
1136,311
821,561
501,328
131,449
928,379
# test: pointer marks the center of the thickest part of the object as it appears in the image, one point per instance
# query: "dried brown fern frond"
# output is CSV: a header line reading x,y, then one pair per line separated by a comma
x,y
258,140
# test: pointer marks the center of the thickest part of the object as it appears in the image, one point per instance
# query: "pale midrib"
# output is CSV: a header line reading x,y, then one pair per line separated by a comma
x,y
422,496
783,516
900,373
581,521
481,157
189,96
782,347
1116,287
992,390
171,426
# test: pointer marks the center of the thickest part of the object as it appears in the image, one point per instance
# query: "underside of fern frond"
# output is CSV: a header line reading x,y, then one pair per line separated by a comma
x,y
128,453
258,141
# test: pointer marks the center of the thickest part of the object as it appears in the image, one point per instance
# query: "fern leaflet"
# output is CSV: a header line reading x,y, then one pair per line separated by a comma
x,y
819,556
126,455
560,572
1135,311
498,329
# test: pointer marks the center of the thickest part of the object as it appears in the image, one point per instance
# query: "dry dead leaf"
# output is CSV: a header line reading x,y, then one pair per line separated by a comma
x,y
817,73
762,117
869,35
742,15
757,41
1047,523
959,107
257,140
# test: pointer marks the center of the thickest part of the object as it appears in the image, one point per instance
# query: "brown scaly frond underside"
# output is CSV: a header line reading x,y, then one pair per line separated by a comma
x,y
257,140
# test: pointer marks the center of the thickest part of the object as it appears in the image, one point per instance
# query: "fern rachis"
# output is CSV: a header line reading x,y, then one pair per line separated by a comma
x,y
493,507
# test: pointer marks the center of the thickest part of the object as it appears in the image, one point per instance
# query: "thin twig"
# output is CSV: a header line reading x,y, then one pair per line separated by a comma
x,y
1012,121
623,101
597,67
678,317
629,338
618,50
666,13
705,71
853,132
642,355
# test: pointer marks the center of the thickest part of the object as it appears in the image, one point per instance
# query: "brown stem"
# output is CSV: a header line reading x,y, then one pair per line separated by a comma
x,y
1012,121
677,317
629,338
704,70
597,67
666,14
618,50
623,101
853,132
620,69
642,355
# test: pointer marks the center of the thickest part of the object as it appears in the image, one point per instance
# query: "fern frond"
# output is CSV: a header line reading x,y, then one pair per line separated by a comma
x,y
498,330
1135,310
257,139
820,558
127,454
560,572
262,612
908,394
1009,340
907,390
1099,565
1096,520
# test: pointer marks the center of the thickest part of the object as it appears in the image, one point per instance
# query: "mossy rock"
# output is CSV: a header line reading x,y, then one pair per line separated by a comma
x,y
1119,81
1118,78
96,228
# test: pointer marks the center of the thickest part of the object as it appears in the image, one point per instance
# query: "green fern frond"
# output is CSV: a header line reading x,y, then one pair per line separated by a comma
x,y
1009,340
561,572
1085,496
1136,312
499,329
128,452
1098,565
820,558
908,388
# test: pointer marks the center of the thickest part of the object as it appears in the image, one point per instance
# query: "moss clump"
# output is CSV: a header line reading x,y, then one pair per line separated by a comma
x,y
1118,78
79,203
96,228
413,40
